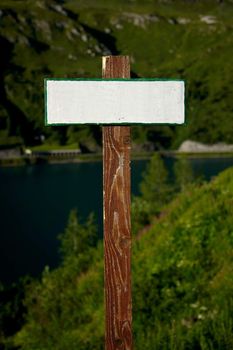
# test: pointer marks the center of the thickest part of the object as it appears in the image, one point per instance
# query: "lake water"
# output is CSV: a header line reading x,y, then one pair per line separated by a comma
x,y
35,202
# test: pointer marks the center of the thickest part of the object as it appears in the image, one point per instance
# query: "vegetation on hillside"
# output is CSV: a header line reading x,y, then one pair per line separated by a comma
x,y
182,235
182,278
191,40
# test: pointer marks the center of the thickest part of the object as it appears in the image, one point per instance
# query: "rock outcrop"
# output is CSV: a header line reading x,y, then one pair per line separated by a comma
x,y
197,147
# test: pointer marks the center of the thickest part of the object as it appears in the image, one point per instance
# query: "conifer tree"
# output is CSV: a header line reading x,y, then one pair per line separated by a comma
x,y
155,187
77,240
183,173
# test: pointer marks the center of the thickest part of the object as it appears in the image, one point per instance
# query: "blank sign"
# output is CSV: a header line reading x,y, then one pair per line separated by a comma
x,y
131,101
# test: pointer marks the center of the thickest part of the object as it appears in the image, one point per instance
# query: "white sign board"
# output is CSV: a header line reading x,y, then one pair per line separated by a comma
x,y
131,101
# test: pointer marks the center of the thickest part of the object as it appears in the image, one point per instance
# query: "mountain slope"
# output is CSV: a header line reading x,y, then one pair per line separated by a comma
x,y
182,283
182,39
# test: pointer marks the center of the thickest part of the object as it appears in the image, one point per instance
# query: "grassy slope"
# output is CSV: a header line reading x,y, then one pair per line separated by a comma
x,y
164,40
182,283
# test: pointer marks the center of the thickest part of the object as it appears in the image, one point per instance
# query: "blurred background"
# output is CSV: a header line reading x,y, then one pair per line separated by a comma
x,y
51,268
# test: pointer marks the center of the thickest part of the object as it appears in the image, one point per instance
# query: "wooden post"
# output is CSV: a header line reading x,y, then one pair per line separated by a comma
x,y
106,102
117,223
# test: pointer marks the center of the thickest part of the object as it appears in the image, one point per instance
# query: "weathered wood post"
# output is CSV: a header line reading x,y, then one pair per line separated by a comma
x,y
117,223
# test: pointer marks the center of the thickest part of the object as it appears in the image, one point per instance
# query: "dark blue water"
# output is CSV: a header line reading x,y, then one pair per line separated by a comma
x,y
35,202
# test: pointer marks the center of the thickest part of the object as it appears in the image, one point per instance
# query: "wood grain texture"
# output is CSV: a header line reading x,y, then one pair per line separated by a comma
x,y
117,224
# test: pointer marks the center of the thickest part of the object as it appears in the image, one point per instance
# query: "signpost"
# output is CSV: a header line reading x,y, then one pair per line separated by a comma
x,y
111,102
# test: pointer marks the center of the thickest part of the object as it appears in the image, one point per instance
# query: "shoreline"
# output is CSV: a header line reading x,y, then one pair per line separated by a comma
x,y
25,160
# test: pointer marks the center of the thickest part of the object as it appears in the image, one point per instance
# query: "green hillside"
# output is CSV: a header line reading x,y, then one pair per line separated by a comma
x,y
191,40
182,281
